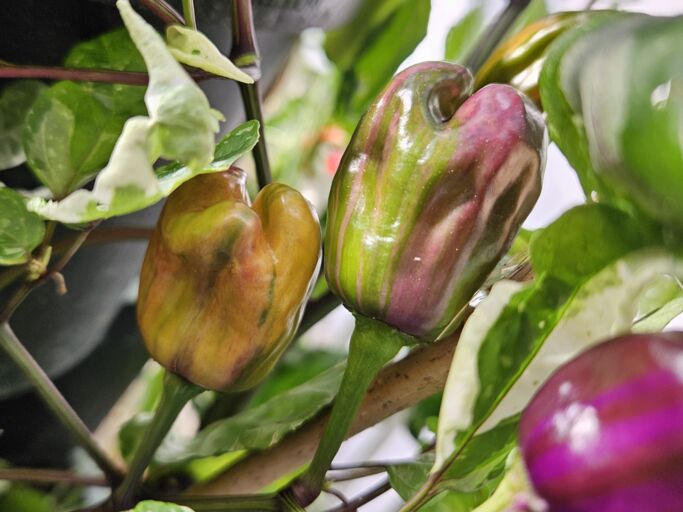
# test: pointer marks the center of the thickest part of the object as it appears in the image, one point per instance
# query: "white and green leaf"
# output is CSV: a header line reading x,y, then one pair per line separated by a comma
x,y
191,47
129,182
180,126
591,268
183,122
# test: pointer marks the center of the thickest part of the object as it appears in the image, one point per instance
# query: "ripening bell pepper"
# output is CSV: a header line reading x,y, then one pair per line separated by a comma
x,y
223,284
605,432
518,60
429,195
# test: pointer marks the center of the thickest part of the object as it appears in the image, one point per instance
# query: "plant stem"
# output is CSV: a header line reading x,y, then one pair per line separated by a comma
x,y
188,14
88,75
261,502
245,55
373,344
175,394
50,476
364,498
317,310
164,12
353,474
494,34
55,401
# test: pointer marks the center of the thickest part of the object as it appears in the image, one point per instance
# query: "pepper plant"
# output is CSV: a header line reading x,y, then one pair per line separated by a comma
x,y
534,361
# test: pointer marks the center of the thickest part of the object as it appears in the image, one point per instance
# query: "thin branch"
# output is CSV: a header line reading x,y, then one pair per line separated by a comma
x,y
494,34
337,494
110,76
245,55
317,310
354,474
109,235
100,236
50,476
364,498
55,400
164,12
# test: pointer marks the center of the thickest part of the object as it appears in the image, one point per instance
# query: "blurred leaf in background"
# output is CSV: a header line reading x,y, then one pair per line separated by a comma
x,y
369,49
15,101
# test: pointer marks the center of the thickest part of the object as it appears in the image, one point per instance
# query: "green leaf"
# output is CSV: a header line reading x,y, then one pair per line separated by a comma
x,y
262,426
463,35
585,239
20,230
193,48
71,128
22,498
112,50
129,183
344,44
633,120
159,506
297,367
370,48
541,325
15,101
566,129
468,483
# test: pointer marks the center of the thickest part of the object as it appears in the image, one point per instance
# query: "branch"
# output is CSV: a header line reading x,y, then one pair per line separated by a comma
x,y
364,498
55,401
109,76
50,476
494,34
245,55
164,12
398,386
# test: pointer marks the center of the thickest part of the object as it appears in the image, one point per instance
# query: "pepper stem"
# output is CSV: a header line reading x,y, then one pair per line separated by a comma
x,y
175,394
373,344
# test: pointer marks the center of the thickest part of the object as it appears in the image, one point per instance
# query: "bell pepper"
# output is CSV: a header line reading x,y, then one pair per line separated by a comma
x,y
223,284
605,432
518,60
429,196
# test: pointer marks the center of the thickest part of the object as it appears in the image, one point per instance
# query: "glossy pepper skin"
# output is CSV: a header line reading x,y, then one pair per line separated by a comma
x,y
518,60
429,195
223,284
605,432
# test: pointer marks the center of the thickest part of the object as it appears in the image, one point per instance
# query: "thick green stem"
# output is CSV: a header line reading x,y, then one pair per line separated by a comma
x,y
373,344
176,393
188,14
55,401
494,34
